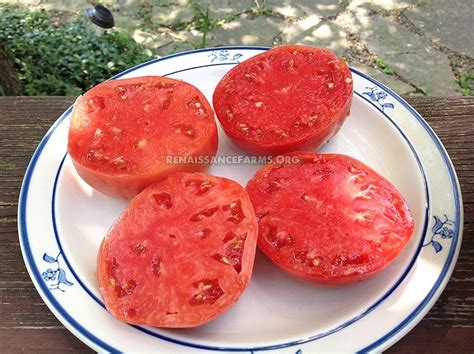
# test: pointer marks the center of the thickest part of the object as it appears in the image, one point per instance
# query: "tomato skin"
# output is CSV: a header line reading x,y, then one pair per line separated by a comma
x,y
329,219
149,164
128,186
180,254
266,109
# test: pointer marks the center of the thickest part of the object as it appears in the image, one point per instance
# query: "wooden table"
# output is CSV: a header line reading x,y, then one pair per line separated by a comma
x,y
26,323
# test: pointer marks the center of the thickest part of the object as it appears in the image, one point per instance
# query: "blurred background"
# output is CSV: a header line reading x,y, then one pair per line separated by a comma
x,y
416,47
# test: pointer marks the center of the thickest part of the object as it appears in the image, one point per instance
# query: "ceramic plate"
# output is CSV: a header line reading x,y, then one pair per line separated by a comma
x,y
62,222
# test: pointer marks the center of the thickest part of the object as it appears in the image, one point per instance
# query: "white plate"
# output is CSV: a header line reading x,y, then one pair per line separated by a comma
x,y
62,222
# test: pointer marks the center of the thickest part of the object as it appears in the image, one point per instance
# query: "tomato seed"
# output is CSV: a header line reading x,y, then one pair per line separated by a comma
x,y
365,217
126,288
138,248
120,163
142,143
307,258
236,212
98,133
307,198
95,103
261,215
201,112
156,266
283,133
116,130
95,155
277,238
209,291
187,130
201,187
203,233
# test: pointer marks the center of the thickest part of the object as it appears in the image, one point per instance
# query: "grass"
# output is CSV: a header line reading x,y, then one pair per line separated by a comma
x,y
387,68
421,91
466,83
145,15
203,23
344,3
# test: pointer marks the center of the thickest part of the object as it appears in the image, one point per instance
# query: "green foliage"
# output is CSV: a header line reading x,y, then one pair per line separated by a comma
x,y
466,82
421,92
145,14
344,3
387,69
204,24
259,11
66,60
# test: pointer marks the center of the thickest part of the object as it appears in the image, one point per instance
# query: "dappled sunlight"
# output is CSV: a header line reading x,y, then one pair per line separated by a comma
x,y
249,39
231,25
287,11
324,8
142,37
322,32
308,22
356,20
298,30
380,4
325,34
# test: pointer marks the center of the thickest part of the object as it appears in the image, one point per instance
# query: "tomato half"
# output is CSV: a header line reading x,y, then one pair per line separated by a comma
x,y
181,253
124,134
329,218
285,99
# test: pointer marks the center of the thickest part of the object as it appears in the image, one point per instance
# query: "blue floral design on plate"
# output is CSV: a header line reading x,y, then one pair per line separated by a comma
x,y
441,229
55,275
378,95
223,55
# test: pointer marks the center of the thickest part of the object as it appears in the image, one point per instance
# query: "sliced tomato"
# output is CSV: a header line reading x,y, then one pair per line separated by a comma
x,y
285,99
124,134
329,218
181,253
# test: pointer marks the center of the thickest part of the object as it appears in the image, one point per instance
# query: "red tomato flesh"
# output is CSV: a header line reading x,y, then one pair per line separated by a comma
x,y
285,99
122,131
181,253
329,218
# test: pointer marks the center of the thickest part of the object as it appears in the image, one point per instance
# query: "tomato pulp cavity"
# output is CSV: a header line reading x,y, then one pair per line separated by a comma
x,y
124,133
181,253
329,218
284,99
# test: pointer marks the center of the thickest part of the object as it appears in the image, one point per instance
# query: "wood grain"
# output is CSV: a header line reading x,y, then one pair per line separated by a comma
x,y
26,324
